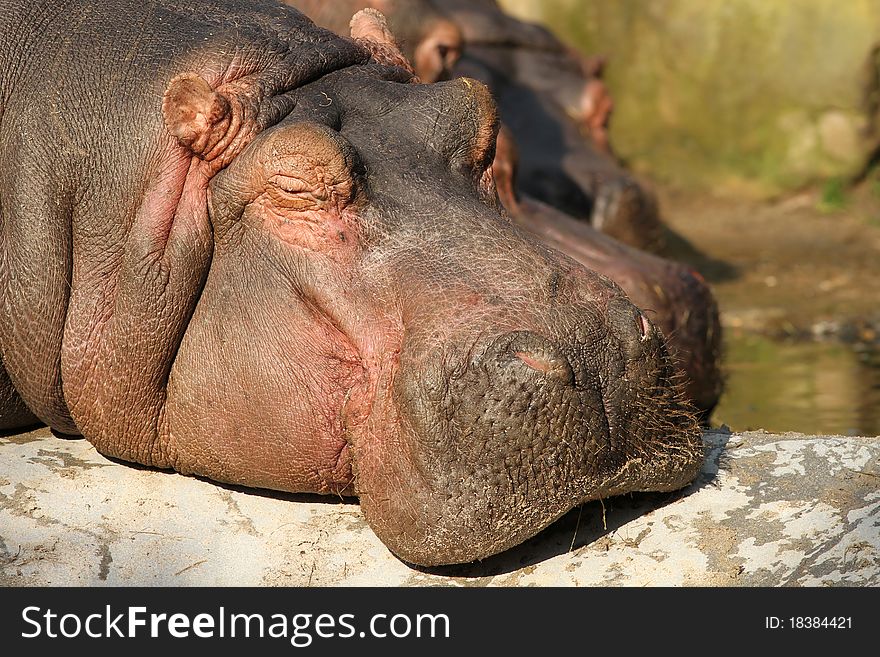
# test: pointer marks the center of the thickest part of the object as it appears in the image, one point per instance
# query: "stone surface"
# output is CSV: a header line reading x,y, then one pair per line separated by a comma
x,y
767,510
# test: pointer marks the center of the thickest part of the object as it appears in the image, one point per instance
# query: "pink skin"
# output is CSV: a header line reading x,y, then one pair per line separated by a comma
x,y
297,203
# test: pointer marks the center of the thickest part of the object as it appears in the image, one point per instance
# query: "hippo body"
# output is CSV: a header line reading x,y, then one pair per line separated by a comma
x,y
236,245
550,97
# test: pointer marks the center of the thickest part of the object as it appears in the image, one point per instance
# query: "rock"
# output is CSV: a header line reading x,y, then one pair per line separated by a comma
x,y
767,510
840,136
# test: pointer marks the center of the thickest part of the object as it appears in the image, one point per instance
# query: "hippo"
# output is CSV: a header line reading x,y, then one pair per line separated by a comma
x,y
238,246
429,40
433,43
557,108
673,295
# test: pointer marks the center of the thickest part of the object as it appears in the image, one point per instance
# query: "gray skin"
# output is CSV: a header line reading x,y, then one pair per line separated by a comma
x,y
541,87
674,296
236,246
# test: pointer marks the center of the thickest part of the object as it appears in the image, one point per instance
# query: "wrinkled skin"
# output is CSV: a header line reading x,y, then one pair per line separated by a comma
x,y
672,295
240,247
430,41
550,98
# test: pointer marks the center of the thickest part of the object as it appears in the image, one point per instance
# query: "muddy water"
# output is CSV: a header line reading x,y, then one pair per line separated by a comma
x,y
817,388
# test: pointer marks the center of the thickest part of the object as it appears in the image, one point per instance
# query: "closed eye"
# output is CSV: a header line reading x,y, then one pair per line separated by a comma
x,y
290,184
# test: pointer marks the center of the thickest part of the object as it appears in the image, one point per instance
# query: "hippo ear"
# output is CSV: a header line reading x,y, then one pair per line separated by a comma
x,y
195,114
370,29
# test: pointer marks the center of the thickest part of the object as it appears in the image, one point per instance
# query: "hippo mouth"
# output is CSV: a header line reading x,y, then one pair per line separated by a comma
x,y
491,448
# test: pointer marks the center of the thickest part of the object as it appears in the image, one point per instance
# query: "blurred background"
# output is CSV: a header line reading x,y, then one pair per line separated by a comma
x,y
754,122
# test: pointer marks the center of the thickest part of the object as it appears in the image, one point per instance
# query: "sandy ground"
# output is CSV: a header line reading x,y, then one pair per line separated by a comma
x,y
794,267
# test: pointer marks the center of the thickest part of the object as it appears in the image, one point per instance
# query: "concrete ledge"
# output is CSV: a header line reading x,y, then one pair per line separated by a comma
x,y
768,510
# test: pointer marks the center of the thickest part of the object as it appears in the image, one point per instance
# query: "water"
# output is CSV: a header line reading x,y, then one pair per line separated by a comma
x,y
808,387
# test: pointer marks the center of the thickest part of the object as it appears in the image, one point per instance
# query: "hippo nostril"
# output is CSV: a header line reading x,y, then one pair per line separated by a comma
x,y
555,367
633,331
539,355
535,362
539,362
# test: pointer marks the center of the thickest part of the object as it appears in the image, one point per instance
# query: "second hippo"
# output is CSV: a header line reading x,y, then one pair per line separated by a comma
x,y
239,246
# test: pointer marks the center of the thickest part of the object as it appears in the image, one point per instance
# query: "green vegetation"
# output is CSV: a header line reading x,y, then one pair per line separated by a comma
x,y
833,196
874,185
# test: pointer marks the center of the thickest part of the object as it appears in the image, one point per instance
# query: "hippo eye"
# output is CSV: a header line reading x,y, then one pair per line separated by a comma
x,y
296,193
291,184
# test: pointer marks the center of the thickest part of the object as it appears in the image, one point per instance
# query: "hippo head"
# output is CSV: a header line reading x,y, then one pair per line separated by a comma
x,y
430,41
372,324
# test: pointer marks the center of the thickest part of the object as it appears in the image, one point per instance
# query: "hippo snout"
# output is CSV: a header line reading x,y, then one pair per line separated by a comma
x,y
501,437
628,212
636,335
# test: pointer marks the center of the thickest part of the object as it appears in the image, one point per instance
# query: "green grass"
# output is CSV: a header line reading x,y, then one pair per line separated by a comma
x,y
834,195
